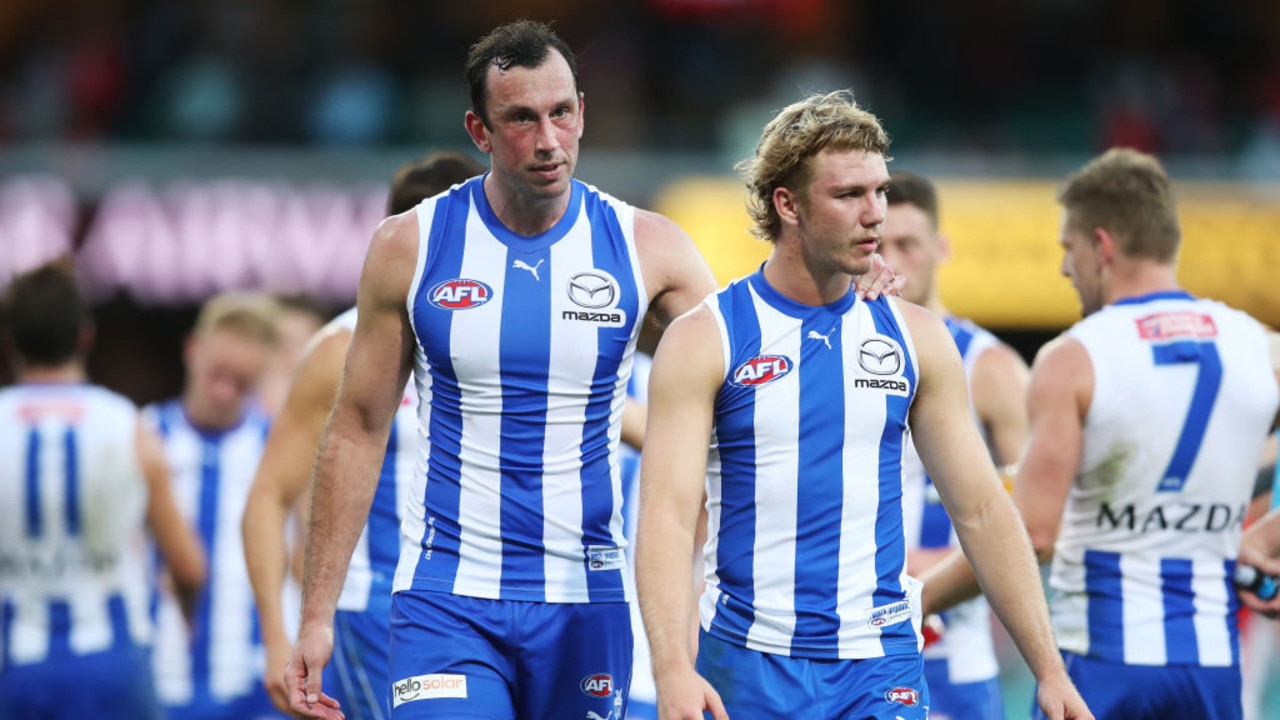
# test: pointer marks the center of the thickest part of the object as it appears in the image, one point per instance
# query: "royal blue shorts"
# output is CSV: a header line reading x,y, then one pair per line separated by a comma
x,y
464,657
255,705
114,685
766,686
961,701
358,676
1151,692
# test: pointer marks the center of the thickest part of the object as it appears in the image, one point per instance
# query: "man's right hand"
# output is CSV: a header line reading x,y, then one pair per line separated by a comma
x,y
302,675
684,695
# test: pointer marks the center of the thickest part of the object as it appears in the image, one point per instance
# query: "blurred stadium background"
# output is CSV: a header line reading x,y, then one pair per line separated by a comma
x,y
179,149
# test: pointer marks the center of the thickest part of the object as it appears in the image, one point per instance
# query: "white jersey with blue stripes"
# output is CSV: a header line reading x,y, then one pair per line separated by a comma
x,y
967,644
73,500
211,474
1183,399
373,562
522,359
806,551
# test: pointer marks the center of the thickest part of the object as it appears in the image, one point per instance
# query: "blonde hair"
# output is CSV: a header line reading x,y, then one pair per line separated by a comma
x,y
795,135
1128,193
252,314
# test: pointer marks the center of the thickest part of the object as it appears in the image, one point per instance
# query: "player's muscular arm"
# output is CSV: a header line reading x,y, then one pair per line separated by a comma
x,y
985,520
352,445
676,277
282,477
686,375
999,387
183,553
1058,399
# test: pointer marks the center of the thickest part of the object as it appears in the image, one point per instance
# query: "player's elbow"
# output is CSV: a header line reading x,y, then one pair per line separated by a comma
x,y
1042,542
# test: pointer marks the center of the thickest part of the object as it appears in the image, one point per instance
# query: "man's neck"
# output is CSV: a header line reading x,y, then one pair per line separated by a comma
x,y
1136,278
523,215
64,374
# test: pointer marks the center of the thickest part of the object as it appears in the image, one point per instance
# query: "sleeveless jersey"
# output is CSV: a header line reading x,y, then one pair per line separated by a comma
x,y
373,563
522,360
1182,402
211,473
805,552
73,500
967,644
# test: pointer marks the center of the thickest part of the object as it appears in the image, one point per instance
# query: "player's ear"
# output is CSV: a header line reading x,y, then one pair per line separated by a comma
x,y
785,202
477,131
1105,242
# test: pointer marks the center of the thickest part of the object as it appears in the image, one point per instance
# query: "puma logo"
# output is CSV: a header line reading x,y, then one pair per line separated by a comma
x,y
533,269
593,715
826,339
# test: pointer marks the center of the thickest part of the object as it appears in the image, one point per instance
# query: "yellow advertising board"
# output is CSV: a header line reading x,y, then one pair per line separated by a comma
x,y
1004,271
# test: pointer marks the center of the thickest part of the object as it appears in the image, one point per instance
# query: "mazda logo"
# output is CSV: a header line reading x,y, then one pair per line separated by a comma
x,y
592,290
880,357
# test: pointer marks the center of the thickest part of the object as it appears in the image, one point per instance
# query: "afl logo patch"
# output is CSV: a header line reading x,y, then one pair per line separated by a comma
x,y
459,294
880,356
762,369
598,685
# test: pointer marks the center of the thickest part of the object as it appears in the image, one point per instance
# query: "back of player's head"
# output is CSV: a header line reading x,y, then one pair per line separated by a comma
x,y
523,43
1127,193
251,314
907,188
428,175
795,135
46,311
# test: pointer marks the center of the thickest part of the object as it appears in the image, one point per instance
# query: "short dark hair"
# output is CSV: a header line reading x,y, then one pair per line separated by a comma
x,y
523,43
912,189
429,175
46,311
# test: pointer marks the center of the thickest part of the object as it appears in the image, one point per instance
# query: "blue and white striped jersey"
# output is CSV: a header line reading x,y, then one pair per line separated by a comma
x,y
73,552
967,644
523,355
211,473
373,563
1183,399
806,552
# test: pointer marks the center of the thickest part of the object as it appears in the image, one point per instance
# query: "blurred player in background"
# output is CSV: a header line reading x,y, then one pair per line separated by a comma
x,y
1147,419
805,392
961,667
299,319
362,624
81,479
213,436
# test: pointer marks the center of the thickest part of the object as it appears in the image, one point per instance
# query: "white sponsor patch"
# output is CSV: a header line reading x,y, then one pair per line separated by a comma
x,y
603,557
888,614
426,687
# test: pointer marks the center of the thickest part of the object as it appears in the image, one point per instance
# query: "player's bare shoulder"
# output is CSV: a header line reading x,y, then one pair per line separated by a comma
x,y
675,274
392,258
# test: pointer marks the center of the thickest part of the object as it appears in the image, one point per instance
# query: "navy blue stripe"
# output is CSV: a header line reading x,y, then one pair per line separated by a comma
x,y
207,525
891,550
118,613
935,523
35,524
524,356
1106,604
1181,646
609,252
73,482
59,630
445,245
1232,618
735,432
7,611
819,489
384,522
